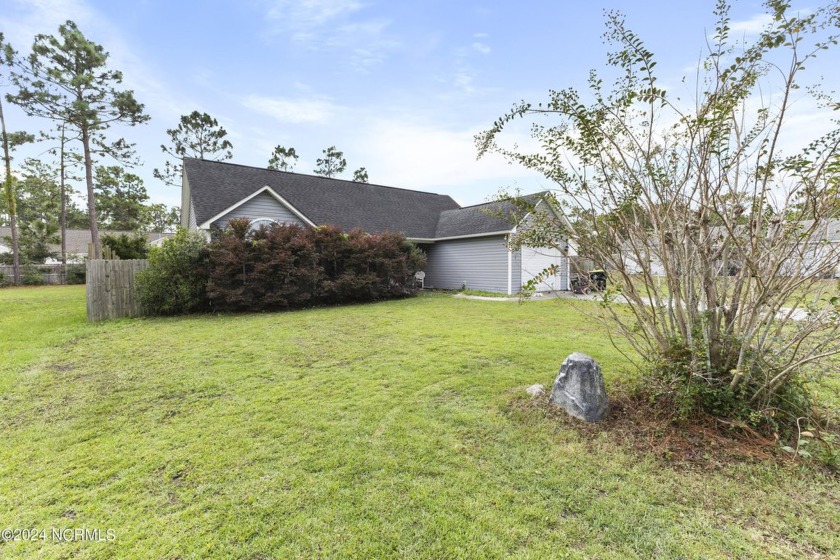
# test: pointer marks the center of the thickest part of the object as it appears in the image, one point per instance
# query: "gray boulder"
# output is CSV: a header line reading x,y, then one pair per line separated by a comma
x,y
579,388
536,390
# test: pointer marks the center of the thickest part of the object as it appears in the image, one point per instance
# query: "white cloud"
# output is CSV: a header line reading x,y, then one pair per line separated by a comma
x,y
367,42
42,16
326,25
751,26
403,153
464,81
317,111
481,47
302,15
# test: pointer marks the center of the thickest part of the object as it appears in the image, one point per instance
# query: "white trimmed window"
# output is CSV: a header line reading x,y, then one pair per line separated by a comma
x,y
259,222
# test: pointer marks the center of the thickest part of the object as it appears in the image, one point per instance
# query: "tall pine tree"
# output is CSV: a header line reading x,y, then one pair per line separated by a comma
x,y
7,58
198,135
67,79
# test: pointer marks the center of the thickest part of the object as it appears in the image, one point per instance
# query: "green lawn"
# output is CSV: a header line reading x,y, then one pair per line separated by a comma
x,y
375,431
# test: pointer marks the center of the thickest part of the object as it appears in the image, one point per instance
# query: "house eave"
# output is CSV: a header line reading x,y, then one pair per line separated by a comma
x,y
451,238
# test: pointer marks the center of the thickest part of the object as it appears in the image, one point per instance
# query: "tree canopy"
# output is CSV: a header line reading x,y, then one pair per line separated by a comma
x,y
66,79
360,175
198,135
122,198
283,159
332,164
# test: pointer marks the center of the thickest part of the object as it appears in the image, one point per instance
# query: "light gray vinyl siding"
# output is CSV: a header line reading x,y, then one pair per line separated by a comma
x,y
191,218
481,263
536,259
261,206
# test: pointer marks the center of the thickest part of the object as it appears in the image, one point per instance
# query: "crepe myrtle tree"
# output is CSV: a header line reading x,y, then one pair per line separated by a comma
x,y
714,238
66,79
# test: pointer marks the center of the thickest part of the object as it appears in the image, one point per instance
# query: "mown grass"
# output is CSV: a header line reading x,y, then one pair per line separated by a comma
x,y
35,322
379,431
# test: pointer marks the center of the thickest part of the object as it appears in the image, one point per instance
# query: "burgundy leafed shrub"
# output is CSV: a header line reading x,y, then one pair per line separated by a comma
x,y
287,266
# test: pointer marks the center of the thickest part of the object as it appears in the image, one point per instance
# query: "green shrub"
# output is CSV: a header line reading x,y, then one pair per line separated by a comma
x,y
681,381
176,279
275,267
287,266
75,274
271,268
127,247
31,276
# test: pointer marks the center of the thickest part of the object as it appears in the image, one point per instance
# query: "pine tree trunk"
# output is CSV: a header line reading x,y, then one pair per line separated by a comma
x,y
94,229
10,199
63,216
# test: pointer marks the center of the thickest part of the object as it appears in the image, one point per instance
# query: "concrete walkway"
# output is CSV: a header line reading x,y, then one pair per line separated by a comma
x,y
798,315
536,297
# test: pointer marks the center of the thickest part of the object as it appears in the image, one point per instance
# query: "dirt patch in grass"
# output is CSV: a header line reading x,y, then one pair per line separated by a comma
x,y
632,422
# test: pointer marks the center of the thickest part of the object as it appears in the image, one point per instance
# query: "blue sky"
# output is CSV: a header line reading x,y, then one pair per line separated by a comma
x,y
401,87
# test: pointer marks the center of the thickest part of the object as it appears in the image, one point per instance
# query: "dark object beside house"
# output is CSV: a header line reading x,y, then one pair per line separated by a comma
x,y
598,280
584,283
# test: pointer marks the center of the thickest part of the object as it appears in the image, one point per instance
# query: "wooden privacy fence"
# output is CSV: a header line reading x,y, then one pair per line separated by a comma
x,y
111,289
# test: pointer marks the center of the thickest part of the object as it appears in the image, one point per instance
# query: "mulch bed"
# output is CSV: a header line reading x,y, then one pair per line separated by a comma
x,y
706,442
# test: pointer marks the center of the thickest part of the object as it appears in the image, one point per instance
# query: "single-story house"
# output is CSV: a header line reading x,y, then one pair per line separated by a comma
x,y
77,241
821,247
811,255
465,246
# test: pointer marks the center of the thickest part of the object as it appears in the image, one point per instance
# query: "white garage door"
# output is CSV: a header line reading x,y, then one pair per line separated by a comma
x,y
535,260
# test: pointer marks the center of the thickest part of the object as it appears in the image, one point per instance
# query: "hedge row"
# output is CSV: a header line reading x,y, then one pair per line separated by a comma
x,y
276,267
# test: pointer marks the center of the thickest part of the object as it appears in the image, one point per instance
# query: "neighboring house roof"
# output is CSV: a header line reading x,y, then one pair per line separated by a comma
x,y
216,187
78,239
490,217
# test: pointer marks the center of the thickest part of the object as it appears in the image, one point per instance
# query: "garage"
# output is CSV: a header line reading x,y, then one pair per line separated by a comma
x,y
537,259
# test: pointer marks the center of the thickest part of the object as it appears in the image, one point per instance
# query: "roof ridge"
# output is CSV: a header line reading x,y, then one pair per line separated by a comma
x,y
315,176
497,201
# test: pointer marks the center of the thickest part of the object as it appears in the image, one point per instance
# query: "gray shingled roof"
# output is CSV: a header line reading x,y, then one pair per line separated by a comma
x,y
216,186
482,218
